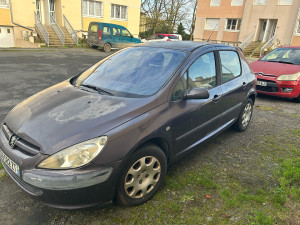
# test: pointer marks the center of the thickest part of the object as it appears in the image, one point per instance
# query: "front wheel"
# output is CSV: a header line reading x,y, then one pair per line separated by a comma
x,y
107,47
245,116
142,176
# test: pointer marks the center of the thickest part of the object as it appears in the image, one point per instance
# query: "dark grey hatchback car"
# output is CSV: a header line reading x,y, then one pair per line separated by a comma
x,y
110,132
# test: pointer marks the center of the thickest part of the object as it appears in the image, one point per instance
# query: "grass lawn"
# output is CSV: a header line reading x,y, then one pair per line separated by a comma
x,y
261,188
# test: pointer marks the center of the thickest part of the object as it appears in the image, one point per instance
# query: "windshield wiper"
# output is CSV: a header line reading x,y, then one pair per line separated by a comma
x,y
281,62
99,90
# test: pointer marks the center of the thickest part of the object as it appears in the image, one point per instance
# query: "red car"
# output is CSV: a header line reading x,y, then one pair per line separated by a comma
x,y
278,73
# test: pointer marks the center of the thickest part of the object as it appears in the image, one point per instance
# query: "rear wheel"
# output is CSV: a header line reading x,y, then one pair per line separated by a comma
x,y
142,176
245,116
107,47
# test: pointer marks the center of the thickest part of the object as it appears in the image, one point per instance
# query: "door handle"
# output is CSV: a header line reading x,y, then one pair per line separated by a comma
x,y
217,98
244,84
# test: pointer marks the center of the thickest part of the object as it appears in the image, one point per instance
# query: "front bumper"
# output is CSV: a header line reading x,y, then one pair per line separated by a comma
x,y
278,88
75,188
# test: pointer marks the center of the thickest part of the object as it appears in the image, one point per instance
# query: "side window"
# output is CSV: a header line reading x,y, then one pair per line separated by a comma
x,y
126,33
116,32
231,66
202,73
106,31
94,28
179,88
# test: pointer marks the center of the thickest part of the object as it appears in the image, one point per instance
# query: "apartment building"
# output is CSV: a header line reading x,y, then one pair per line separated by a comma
x,y
249,21
61,22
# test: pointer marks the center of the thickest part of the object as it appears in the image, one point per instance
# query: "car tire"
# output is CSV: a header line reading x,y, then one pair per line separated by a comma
x,y
141,176
107,47
297,99
245,116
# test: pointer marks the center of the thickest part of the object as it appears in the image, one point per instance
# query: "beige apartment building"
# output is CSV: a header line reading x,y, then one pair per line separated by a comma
x,y
251,24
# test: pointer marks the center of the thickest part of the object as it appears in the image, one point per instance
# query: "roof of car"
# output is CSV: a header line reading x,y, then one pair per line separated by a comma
x,y
188,46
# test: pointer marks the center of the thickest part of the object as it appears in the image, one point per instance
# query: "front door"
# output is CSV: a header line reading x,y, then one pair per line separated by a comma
x,y
126,38
116,40
38,9
194,120
263,30
52,11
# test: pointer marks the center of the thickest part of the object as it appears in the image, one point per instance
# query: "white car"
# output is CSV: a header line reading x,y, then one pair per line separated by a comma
x,y
162,37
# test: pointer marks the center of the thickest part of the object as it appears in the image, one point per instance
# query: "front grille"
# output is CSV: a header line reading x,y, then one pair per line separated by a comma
x,y
271,86
21,144
27,187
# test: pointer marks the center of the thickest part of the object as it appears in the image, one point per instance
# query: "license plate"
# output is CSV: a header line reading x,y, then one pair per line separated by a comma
x,y
8,162
261,83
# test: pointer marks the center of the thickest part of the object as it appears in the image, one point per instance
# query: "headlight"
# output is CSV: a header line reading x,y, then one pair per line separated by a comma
x,y
76,155
290,77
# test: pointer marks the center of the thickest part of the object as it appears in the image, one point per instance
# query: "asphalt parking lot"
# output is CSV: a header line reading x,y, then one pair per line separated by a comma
x,y
236,155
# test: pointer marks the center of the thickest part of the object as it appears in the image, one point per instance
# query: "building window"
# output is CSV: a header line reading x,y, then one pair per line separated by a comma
x,y
215,2
4,3
285,2
92,8
237,2
212,24
119,12
259,2
233,24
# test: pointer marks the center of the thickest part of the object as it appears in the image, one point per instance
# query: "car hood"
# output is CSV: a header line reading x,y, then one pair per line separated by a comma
x,y
273,68
64,115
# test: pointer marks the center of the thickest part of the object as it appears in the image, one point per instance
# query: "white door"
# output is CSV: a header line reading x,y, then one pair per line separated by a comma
x,y
6,37
38,8
263,30
52,11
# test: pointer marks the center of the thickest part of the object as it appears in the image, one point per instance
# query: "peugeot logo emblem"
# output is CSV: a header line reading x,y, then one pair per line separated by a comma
x,y
13,140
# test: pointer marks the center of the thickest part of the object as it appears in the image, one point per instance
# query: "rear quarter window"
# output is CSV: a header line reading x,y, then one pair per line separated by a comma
x,y
106,30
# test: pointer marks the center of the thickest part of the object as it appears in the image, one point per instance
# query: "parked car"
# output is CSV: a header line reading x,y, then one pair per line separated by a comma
x,y
278,73
111,131
178,36
109,35
161,37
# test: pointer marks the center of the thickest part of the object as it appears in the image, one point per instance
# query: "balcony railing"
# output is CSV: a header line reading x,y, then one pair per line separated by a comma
x,y
70,30
41,28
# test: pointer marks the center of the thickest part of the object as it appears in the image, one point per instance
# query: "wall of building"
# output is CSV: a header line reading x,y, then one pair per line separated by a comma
x,y
5,17
285,14
224,11
132,23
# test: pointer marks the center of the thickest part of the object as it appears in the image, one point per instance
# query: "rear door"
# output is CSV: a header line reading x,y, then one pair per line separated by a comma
x,y
106,34
234,83
93,34
116,39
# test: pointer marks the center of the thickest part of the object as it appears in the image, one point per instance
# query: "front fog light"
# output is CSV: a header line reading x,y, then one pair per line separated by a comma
x,y
76,155
286,90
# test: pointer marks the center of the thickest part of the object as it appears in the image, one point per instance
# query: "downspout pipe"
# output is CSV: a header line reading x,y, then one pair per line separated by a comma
x,y
12,18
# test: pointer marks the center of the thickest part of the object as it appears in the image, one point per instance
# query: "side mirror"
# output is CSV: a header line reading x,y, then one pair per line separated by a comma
x,y
131,36
196,93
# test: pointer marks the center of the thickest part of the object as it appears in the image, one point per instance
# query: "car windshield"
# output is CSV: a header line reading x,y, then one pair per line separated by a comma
x,y
135,72
283,55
